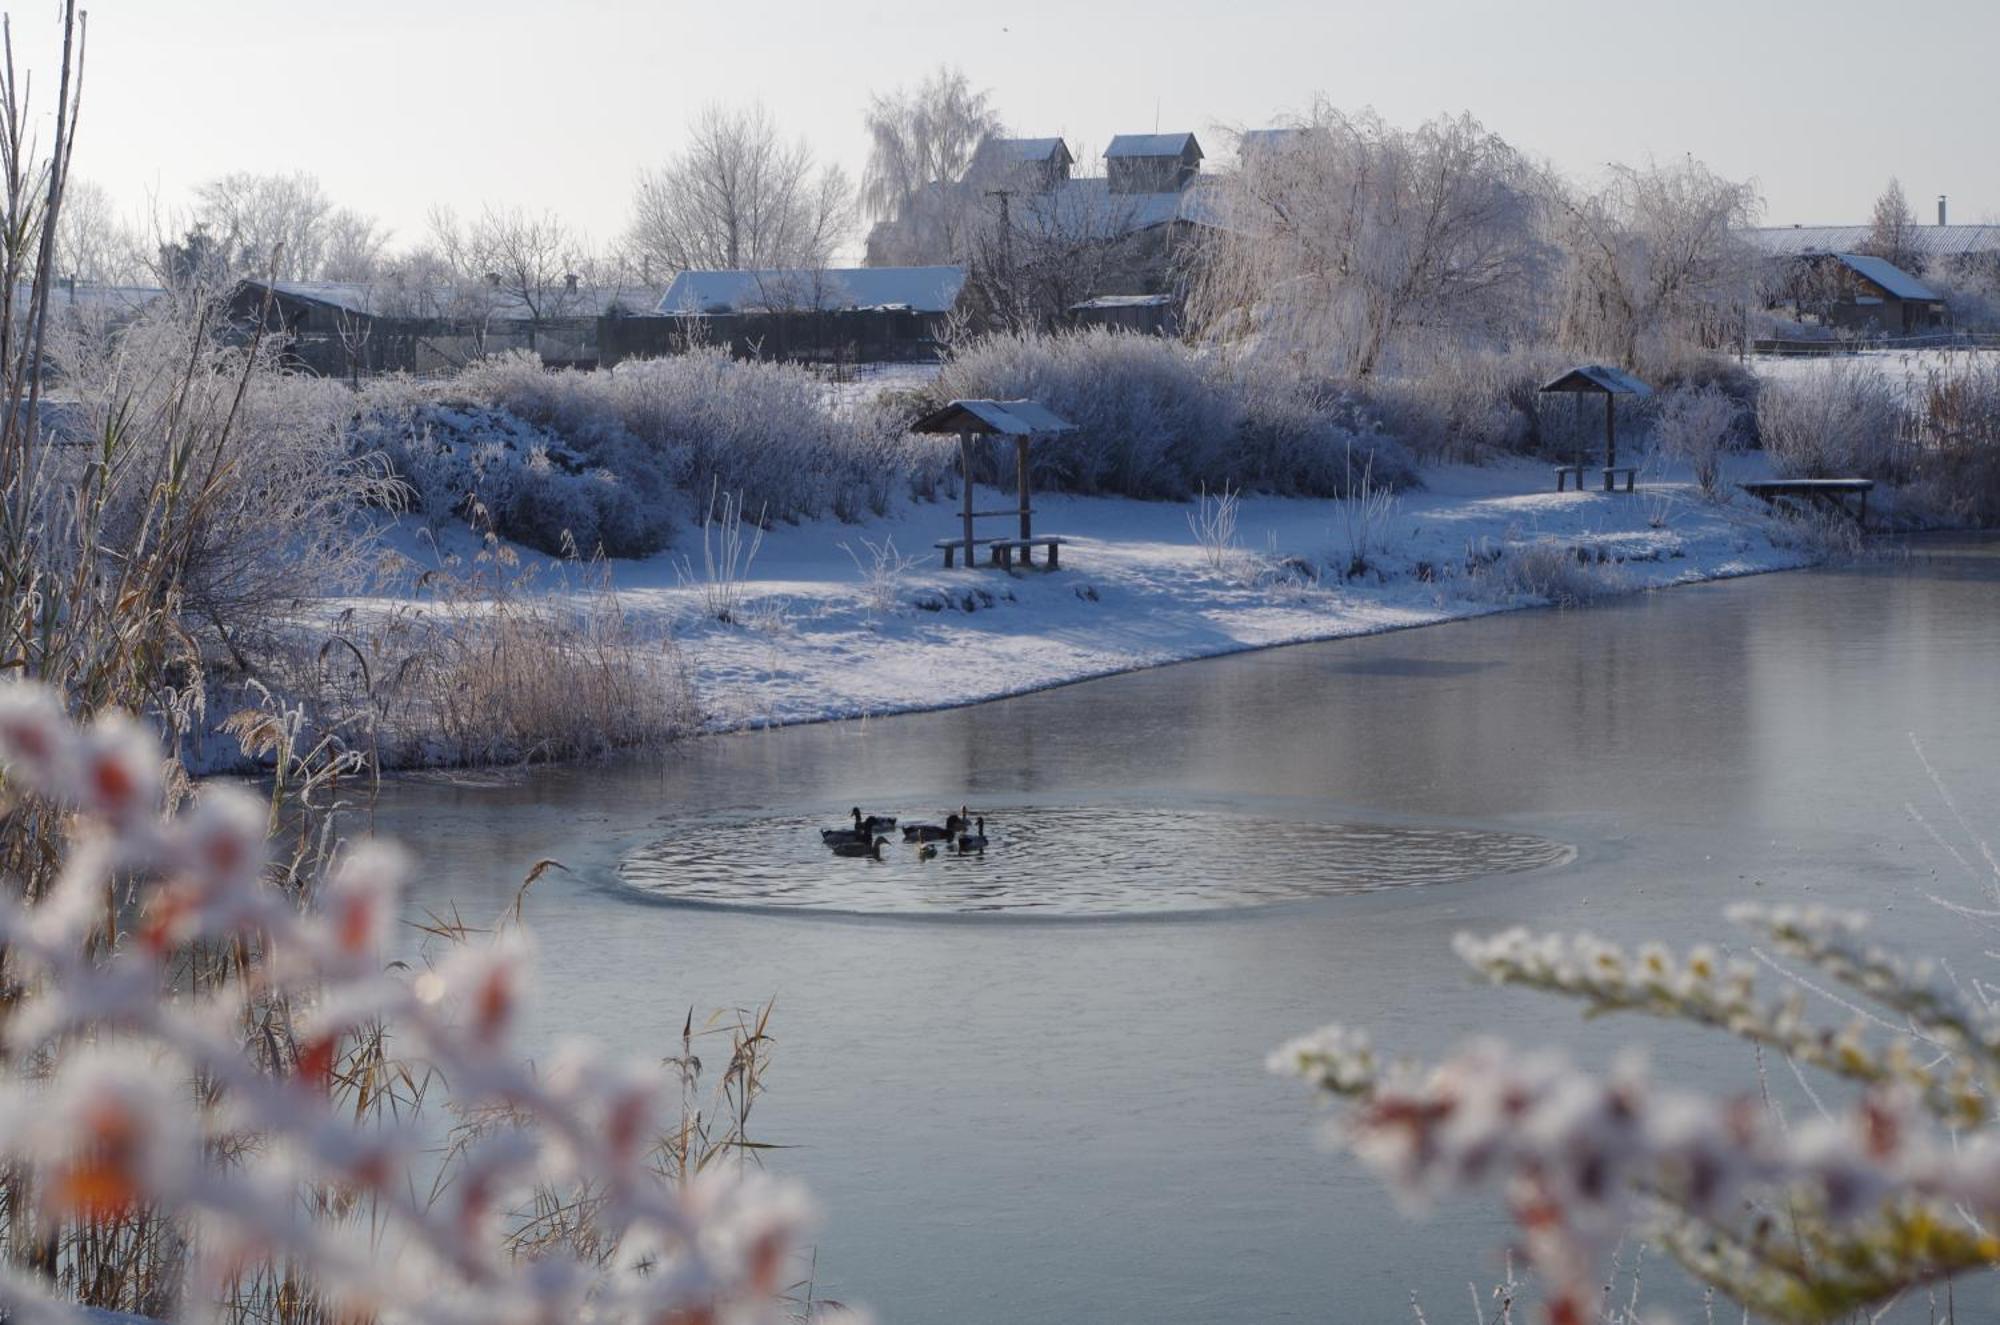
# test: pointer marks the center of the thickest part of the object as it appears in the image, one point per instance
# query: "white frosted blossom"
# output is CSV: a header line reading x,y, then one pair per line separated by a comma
x,y
150,1085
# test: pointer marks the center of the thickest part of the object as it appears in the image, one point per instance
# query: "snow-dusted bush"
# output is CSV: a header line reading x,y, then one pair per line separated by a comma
x,y
529,483
768,431
1467,405
1157,419
1558,573
217,1146
1956,462
1842,420
1699,425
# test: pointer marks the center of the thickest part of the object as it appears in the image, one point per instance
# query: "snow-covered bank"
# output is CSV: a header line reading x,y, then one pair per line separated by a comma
x,y
838,621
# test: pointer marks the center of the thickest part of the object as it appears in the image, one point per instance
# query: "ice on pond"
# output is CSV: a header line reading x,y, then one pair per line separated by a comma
x,y
1072,861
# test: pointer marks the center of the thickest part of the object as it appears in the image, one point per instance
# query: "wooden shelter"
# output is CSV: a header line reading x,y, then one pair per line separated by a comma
x,y
1610,383
1022,420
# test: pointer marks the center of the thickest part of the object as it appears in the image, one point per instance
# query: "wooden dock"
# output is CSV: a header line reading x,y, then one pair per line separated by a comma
x,y
1824,493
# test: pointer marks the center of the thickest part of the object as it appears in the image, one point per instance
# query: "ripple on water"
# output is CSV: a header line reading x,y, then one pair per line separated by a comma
x,y
1074,861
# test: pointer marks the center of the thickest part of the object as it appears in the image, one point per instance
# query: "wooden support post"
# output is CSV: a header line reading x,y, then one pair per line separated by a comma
x,y
1021,483
965,463
1610,440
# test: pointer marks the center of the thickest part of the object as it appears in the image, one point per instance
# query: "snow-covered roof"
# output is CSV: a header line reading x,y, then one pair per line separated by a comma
x,y
1025,149
1888,275
1930,241
1012,418
1598,377
1151,144
921,289
83,297
391,298
1087,208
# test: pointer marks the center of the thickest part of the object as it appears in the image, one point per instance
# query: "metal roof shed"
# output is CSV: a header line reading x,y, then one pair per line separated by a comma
x,y
1611,383
1023,420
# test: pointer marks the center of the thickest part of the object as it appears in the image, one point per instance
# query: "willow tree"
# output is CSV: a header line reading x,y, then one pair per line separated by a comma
x,y
1654,260
1343,236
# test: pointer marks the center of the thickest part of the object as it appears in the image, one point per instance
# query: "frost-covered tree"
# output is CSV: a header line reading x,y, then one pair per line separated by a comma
x,y
354,247
1350,235
1892,228
268,224
93,245
515,256
740,196
921,143
1653,260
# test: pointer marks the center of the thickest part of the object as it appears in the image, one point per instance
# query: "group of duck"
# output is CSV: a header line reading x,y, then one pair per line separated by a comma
x,y
960,831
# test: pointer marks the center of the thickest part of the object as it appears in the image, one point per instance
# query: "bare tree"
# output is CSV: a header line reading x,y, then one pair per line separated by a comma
x,y
922,142
1353,235
93,246
353,247
740,197
266,223
535,263
1892,230
1654,260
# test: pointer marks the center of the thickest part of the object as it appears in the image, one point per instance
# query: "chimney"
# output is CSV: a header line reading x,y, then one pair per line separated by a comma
x,y
569,278
1940,209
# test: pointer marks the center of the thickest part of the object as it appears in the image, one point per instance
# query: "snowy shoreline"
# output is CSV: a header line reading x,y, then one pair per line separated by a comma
x,y
835,621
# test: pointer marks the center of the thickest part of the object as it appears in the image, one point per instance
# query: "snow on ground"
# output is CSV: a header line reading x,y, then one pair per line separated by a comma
x,y
812,639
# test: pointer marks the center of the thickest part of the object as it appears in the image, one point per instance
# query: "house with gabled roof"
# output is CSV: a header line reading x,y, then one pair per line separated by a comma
x,y
1860,292
1152,162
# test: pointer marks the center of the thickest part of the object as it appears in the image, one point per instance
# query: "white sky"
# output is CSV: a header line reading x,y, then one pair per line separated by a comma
x,y
398,104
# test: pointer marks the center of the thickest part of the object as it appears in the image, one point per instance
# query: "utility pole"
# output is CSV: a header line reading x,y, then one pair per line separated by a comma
x,y
1006,244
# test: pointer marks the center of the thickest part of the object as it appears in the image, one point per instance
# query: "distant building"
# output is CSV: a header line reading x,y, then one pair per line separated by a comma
x,y
829,315
1858,293
365,328
1152,162
1951,243
1029,164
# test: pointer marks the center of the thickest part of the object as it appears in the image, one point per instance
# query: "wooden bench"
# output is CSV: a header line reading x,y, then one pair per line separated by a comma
x,y
1611,473
1565,472
1003,550
1831,493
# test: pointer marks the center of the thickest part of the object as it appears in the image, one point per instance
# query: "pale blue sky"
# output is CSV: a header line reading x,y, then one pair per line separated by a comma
x,y
397,104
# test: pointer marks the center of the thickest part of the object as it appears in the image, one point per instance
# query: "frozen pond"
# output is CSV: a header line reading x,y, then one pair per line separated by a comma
x,y
1008,1117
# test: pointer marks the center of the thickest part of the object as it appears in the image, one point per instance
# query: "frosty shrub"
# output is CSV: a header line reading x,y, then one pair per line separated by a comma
x,y
1956,462
1841,421
1699,426
1157,419
765,430
221,1130
1560,574
1466,405
534,486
